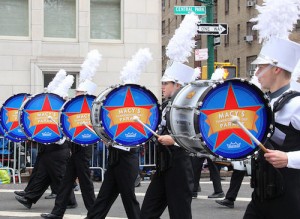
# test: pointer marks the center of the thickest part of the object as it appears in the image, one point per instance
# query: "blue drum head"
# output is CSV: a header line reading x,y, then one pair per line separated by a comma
x,y
39,118
233,98
119,108
7,136
9,117
75,119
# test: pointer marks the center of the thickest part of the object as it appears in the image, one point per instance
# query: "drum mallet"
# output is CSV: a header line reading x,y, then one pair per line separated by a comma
x,y
236,120
89,128
136,119
51,119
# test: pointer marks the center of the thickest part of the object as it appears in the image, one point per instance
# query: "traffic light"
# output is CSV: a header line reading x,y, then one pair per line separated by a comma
x,y
230,70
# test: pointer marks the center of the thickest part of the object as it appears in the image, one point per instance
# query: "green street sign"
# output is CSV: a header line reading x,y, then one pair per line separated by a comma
x,y
183,10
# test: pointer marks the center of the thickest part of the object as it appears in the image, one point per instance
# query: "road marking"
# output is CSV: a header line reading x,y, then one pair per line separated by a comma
x,y
31,214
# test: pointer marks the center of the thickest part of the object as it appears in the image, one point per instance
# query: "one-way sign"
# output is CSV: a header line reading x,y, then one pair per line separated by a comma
x,y
213,29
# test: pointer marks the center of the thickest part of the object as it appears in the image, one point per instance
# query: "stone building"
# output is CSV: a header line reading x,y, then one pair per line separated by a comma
x,y
39,37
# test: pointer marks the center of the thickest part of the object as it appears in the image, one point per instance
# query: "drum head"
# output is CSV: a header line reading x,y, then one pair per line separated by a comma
x,y
234,97
117,112
9,117
39,117
75,119
7,136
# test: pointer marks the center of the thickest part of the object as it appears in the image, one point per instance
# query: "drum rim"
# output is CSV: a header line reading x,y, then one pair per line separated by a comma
x,y
61,115
120,86
21,119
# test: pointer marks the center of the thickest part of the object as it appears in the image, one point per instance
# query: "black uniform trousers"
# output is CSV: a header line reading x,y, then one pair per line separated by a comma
x,y
197,163
172,187
119,178
284,206
50,170
215,177
78,166
235,184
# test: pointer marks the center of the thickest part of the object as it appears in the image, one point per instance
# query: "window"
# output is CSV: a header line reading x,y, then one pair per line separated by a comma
x,y
49,75
14,18
60,19
250,31
238,33
238,63
163,27
250,68
226,7
226,41
105,19
169,25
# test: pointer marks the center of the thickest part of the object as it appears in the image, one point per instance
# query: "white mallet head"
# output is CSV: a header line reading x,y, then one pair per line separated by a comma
x,y
135,118
235,119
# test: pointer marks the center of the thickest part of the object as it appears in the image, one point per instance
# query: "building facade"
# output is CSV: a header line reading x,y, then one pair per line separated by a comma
x,y
240,47
40,37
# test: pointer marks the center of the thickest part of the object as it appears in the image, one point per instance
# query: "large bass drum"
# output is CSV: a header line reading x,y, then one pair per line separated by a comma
x,y
39,116
113,112
9,117
75,120
200,118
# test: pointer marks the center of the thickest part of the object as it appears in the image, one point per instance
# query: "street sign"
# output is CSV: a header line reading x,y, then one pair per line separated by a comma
x,y
217,40
212,29
183,10
201,54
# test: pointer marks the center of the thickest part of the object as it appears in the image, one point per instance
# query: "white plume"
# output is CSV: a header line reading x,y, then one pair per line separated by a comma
x,y
89,66
197,74
59,77
64,86
182,43
133,68
218,74
276,18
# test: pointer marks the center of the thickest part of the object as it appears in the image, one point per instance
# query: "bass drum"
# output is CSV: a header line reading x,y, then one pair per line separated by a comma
x,y
38,117
200,118
113,112
75,120
9,117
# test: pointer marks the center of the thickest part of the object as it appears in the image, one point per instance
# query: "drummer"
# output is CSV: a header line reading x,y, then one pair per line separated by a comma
x,y
276,185
49,170
78,166
172,184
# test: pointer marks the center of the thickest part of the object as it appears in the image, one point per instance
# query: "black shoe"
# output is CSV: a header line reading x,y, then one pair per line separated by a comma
x,y
195,195
72,206
217,195
20,193
226,202
51,196
24,201
53,216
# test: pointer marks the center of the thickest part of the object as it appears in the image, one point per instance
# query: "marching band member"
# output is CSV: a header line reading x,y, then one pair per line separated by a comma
x,y
277,187
52,161
172,184
123,162
79,162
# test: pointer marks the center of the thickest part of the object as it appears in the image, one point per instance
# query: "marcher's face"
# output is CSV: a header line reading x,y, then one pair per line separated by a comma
x,y
77,93
168,88
265,76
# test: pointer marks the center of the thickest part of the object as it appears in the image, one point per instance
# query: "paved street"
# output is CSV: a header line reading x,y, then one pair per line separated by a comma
x,y
202,207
